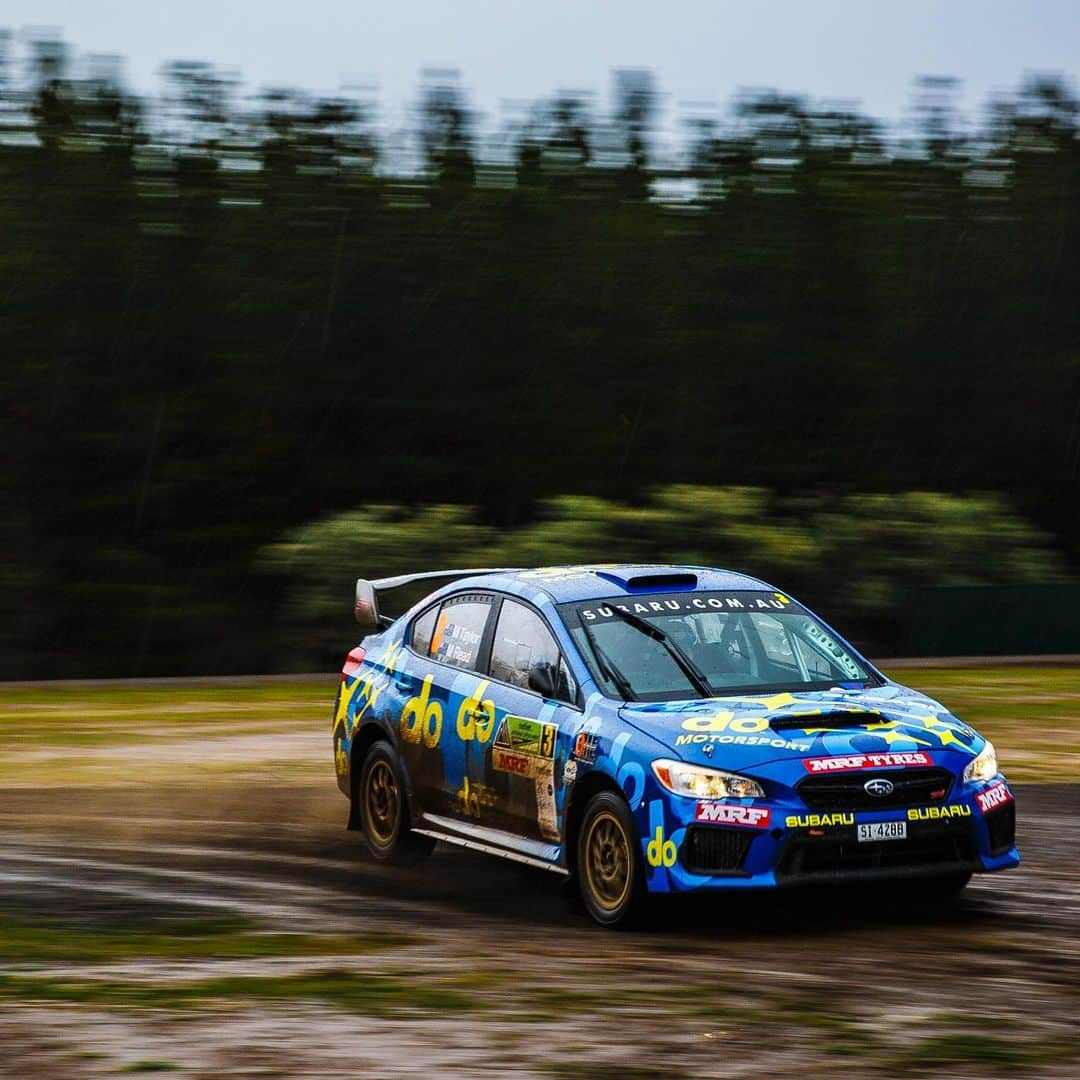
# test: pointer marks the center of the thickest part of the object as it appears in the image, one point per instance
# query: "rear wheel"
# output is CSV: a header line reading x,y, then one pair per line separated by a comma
x,y
384,809
610,877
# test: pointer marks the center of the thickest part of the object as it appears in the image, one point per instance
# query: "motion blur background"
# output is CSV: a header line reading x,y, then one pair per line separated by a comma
x,y
295,293
258,338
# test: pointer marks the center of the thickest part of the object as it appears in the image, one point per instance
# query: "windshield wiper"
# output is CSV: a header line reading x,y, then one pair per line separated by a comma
x,y
607,665
678,654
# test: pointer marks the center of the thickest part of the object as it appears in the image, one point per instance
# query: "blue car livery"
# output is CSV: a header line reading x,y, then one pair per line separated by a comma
x,y
650,730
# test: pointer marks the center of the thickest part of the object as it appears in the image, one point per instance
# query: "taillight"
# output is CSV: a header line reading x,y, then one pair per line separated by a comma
x,y
352,663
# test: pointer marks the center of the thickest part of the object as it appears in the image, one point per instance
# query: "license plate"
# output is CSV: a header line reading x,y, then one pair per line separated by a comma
x,y
883,830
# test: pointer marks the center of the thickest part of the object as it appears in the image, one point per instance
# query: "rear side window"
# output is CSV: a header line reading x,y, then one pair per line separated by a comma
x,y
524,642
422,630
459,631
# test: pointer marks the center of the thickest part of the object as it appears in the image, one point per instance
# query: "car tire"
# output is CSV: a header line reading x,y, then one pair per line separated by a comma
x,y
384,809
609,871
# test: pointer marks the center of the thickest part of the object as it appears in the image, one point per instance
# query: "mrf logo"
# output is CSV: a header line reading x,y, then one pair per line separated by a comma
x,y
866,761
994,796
750,817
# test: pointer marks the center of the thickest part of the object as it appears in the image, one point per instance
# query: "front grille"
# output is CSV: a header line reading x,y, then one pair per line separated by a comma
x,y
712,849
1001,824
913,787
838,854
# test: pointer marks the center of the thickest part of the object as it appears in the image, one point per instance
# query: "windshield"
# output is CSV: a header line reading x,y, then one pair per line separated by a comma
x,y
738,642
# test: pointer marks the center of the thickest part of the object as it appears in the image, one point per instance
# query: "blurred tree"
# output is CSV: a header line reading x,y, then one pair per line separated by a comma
x,y
635,114
445,130
220,321
854,558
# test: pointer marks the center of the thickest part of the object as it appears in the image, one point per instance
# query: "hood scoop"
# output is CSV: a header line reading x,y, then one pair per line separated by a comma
x,y
837,718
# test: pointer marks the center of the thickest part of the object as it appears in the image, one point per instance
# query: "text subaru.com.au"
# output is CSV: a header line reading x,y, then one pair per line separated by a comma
x,y
650,730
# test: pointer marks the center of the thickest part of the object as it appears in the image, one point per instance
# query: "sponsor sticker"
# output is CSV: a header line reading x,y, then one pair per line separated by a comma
x,y
995,795
852,762
689,603
752,817
661,852
585,748
526,736
511,762
816,821
740,740
938,813
569,773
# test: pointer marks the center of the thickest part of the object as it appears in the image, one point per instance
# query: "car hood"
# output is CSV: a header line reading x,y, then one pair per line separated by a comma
x,y
741,732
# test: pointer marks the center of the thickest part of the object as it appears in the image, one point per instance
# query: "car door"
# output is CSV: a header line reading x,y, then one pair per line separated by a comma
x,y
521,769
449,645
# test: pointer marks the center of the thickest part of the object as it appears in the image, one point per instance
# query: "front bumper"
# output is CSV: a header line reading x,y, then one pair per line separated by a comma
x,y
733,844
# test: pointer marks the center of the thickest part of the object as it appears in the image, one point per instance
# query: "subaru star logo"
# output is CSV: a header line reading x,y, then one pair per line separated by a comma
x,y
879,787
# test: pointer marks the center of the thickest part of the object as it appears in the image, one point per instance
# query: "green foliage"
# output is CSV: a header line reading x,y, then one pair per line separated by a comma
x,y
23,941
855,557
213,336
369,993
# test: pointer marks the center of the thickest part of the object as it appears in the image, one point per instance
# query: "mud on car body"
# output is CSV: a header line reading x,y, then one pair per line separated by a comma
x,y
650,730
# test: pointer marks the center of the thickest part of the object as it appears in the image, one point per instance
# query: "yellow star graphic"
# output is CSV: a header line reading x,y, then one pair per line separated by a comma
x,y
777,701
899,736
931,721
948,736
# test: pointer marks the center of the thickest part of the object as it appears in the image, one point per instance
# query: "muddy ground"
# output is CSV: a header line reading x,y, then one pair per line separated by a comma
x,y
130,912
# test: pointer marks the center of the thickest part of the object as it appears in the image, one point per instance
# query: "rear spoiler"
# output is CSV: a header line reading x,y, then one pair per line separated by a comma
x,y
367,592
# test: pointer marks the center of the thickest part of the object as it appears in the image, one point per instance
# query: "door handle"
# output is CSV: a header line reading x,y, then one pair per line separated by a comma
x,y
403,683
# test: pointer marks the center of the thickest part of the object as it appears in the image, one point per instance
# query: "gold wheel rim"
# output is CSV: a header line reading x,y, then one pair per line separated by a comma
x,y
381,802
607,861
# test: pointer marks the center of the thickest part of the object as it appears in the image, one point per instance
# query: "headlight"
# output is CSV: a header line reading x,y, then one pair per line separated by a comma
x,y
983,767
697,783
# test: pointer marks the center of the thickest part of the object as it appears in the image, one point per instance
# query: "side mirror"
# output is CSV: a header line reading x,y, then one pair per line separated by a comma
x,y
542,680
367,605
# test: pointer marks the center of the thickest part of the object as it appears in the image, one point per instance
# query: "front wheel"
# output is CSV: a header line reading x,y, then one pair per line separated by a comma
x,y
610,877
384,809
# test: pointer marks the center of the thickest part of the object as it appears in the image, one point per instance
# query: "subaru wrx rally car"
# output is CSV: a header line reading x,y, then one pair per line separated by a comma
x,y
654,729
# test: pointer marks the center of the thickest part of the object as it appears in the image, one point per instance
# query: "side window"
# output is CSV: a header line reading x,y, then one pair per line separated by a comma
x,y
522,643
422,630
459,631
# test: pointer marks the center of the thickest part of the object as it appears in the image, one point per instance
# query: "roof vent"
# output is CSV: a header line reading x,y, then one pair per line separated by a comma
x,y
655,582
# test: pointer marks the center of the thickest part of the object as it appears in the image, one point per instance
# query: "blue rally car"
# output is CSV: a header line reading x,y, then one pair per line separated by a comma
x,y
654,729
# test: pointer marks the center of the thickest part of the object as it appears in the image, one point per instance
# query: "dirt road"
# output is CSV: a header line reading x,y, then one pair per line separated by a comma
x,y
187,930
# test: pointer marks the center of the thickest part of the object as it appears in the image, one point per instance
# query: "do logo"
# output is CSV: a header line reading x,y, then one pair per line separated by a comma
x,y
660,852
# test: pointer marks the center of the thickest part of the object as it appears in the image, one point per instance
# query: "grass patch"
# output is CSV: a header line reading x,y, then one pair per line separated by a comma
x,y
942,1051
946,1049
1028,712
112,725
150,1066
837,1031
24,941
376,994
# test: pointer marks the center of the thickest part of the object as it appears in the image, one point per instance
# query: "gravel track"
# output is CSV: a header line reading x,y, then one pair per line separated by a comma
x,y
749,986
